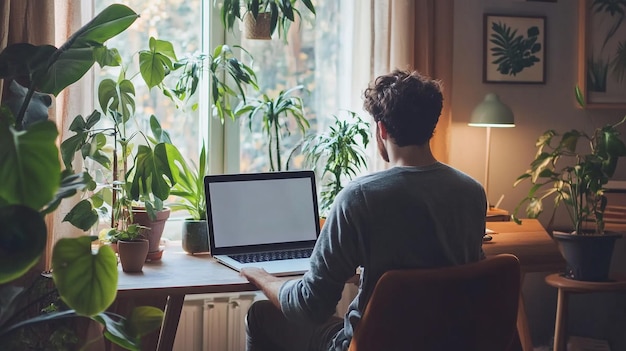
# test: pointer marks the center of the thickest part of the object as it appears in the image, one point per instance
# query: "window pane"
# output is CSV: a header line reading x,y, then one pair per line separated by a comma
x,y
176,21
311,58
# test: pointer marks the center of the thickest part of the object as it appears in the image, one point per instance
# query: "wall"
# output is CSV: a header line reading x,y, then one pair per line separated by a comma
x,y
536,108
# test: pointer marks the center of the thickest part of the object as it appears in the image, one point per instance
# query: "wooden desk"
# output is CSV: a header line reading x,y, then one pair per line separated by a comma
x,y
536,251
566,286
175,276
179,274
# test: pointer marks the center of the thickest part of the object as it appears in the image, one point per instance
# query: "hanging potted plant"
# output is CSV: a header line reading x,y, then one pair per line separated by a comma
x,y
262,17
577,179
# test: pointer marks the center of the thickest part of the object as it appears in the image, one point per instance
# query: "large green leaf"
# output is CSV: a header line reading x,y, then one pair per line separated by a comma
x,y
87,281
82,215
119,97
22,240
112,21
128,332
143,320
151,173
76,56
29,165
68,68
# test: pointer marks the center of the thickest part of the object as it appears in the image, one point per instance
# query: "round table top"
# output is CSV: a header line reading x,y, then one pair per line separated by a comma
x,y
615,283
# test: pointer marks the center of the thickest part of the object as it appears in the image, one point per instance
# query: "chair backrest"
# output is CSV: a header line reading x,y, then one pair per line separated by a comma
x,y
461,308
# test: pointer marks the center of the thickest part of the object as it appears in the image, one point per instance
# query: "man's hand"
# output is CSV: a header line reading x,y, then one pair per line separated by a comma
x,y
269,284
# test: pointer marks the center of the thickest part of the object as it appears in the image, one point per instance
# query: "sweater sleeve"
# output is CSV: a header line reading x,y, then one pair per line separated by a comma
x,y
314,297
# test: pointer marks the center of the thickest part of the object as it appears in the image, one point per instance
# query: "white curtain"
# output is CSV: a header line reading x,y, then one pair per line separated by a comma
x,y
50,22
69,15
403,34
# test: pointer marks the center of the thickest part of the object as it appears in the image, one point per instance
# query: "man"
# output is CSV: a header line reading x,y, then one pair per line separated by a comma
x,y
419,213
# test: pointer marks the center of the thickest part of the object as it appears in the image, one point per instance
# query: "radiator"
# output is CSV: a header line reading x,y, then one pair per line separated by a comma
x,y
215,322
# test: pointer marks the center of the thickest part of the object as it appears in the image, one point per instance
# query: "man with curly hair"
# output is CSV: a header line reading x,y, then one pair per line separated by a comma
x,y
419,213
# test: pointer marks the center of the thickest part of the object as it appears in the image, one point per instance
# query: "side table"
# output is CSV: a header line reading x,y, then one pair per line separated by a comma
x,y
566,286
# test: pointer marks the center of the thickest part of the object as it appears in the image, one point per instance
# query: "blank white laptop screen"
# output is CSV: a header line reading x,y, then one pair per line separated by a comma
x,y
265,220
262,211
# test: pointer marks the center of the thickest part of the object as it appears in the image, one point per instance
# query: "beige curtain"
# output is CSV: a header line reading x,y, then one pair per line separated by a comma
x,y
412,34
47,22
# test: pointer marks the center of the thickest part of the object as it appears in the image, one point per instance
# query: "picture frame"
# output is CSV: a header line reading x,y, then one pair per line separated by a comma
x,y
602,54
526,35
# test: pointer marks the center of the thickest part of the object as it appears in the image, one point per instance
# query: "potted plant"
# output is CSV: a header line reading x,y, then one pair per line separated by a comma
x,y
577,179
275,116
189,190
132,246
188,177
34,185
339,153
147,180
272,15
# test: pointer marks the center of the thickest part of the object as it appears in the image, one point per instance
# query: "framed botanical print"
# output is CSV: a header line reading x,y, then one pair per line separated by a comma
x,y
602,53
514,49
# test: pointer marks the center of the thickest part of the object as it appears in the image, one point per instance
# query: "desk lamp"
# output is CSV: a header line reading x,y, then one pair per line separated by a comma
x,y
491,112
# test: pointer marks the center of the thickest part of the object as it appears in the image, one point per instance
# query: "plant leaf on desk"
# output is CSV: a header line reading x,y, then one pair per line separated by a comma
x,y
87,282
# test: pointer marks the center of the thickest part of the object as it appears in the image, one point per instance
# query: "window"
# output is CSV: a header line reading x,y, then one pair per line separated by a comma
x,y
317,57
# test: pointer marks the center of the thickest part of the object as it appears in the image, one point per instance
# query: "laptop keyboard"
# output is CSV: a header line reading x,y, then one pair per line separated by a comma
x,y
272,255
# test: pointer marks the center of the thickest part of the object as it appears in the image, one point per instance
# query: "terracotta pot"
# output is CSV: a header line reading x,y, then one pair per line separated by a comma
x,y
587,257
113,246
140,216
195,236
258,28
132,254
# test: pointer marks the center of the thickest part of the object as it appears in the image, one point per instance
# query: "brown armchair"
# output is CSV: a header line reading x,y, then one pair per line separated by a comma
x,y
472,307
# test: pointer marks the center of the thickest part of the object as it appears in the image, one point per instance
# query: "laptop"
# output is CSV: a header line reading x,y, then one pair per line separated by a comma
x,y
265,220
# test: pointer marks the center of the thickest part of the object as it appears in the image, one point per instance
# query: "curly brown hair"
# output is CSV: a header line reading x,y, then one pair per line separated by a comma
x,y
407,103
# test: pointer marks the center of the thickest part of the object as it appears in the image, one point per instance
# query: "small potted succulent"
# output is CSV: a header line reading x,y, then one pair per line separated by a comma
x,y
576,178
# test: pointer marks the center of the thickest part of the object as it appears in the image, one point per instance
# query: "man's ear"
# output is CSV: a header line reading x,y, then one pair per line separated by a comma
x,y
381,130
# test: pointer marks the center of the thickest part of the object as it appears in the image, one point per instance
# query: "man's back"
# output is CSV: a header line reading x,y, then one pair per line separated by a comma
x,y
418,213
403,217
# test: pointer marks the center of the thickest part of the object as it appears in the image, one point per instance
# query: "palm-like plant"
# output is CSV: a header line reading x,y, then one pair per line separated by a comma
x,y
224,63
189,186
341,152
275,113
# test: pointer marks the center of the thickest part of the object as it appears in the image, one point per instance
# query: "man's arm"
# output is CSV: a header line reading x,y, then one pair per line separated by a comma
x,y
269,284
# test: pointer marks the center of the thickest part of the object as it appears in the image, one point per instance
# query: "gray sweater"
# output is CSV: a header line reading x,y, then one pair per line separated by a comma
x,y
403,217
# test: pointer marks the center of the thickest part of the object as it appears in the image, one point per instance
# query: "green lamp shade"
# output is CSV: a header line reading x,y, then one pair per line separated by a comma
x,y
491,112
